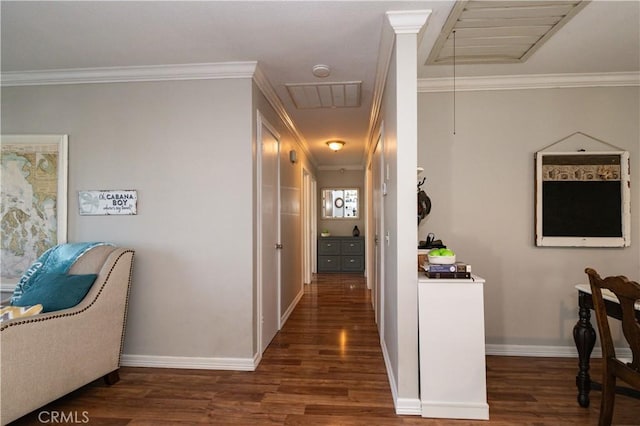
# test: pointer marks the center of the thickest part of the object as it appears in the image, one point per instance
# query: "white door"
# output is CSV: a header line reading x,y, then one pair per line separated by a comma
x,y
377,291
269,201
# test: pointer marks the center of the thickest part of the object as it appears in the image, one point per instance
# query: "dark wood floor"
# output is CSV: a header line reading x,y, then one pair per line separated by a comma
x,y
326,367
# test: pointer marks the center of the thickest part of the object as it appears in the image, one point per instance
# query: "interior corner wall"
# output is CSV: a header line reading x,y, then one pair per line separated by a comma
x,y
481,183
185,146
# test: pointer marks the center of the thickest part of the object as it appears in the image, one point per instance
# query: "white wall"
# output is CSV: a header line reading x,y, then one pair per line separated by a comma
x,y
185,146
389,334
481,183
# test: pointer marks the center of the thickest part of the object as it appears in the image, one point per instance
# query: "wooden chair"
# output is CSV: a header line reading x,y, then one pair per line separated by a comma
x,y
627,292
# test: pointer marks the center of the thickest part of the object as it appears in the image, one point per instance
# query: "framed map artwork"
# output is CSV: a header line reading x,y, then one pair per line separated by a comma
x,y
33,200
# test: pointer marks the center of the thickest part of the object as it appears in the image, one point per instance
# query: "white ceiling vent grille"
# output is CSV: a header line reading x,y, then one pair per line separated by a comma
x,y
499,31
325,95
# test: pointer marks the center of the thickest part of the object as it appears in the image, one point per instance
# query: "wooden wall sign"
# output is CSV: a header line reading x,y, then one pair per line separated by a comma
x,y
108,202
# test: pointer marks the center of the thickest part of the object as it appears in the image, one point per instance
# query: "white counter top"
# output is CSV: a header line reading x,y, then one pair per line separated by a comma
x,y
422,278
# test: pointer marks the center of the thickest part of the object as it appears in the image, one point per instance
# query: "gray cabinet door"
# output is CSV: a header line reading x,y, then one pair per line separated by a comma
x,y
341,254
329,246
352,246
352,263
329,263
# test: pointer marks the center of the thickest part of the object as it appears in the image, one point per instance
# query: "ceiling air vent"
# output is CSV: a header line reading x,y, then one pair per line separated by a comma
x,y
499,31
325,95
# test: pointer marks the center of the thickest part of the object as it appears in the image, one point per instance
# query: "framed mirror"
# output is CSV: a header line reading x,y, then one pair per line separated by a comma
x,y
340,203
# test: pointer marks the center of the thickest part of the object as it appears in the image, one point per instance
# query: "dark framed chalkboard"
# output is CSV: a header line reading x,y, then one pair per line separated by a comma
x,y
583,199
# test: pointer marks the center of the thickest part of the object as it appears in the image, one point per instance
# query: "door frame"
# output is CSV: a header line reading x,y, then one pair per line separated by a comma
x,y
262,125
378,287
309,231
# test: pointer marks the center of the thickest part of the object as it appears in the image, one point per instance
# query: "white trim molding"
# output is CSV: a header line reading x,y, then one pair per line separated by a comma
x,y
272,97
198,363
171,72
548,351
403,406
408,406
533,81
455,410
203,71
408,21
397,22
284,317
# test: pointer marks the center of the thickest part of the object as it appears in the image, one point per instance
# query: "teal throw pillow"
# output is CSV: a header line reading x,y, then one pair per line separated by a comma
x,y
56,291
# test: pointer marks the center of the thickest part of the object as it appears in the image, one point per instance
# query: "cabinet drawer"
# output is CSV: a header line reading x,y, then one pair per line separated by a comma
x,y
329,247
352,263
329,263
353,247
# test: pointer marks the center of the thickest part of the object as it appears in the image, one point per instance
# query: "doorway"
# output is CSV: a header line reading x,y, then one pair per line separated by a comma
x,y
309,231
269,265
377,185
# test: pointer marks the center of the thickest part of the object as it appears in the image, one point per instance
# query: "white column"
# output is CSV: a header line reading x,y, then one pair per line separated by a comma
x,y
402,162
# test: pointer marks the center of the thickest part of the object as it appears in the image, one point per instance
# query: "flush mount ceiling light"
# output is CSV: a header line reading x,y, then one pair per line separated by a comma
x,y
335,146
500,31
321,70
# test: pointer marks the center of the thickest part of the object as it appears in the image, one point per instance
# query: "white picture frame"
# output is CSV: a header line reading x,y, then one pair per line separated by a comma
x,y
36,147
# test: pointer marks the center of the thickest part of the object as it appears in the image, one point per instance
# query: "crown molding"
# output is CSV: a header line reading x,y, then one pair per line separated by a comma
x,y
202,71
408,21
272,97
385,51
398,22
524,82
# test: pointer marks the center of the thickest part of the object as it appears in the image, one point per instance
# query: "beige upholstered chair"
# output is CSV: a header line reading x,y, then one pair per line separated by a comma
x,y
46,356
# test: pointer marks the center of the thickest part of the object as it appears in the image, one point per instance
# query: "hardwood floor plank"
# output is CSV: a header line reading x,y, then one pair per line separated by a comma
x,y
325,367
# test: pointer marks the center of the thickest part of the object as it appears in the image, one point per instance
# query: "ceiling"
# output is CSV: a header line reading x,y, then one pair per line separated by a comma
x,y
509,31
288,38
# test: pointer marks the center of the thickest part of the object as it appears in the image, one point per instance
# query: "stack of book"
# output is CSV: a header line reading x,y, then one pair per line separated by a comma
x,y
458,270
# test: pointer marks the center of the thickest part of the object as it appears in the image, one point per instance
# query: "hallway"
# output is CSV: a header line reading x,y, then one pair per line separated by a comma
x,y
328,357
325,367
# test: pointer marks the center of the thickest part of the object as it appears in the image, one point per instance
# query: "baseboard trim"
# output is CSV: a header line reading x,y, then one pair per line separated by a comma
x,y
547,351
292,306
403,406
392,379
455,411
197,363
408,407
